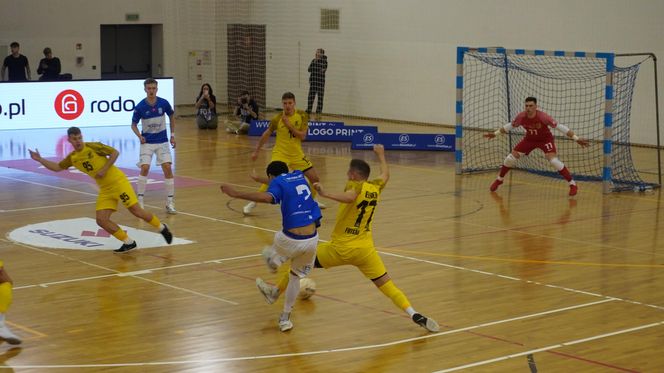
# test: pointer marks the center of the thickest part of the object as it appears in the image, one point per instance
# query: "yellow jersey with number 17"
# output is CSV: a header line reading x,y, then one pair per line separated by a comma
x,y
353,224
90,159
286,144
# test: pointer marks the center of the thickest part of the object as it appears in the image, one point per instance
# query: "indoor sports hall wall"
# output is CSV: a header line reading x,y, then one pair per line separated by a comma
x,y
389,59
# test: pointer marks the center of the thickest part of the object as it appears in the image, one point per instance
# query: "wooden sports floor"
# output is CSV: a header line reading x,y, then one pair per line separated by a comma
x,y
521,280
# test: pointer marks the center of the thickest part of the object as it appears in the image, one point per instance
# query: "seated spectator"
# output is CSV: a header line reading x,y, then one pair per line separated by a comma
x,y
49,67
245,111
206,111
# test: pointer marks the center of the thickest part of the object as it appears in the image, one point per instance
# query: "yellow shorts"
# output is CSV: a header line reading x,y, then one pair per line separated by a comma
x,y
366,259
120,192
301,164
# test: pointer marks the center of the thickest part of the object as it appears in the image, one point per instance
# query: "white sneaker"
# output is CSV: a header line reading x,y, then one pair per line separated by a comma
x,y
284,322
267,257
426,322
140,201
321,205
248,207
10,337
271,293
170,209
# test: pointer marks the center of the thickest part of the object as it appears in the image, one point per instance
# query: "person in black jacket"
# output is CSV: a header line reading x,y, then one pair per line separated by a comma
x,y
49,67
317,69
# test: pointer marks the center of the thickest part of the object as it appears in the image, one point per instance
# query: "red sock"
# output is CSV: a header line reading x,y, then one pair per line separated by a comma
x,y
566,174
503,171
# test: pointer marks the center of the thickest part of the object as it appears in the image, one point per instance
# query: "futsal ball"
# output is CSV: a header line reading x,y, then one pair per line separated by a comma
x,y
307,288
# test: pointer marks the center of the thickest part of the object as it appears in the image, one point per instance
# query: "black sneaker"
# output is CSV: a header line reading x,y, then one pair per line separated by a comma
x,y
426,323
168,236
126,247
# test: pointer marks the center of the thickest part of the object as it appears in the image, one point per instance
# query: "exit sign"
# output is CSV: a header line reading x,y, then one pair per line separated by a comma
x,y
131,17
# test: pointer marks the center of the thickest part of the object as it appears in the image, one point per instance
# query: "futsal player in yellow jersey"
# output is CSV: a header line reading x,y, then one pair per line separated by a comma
x,y
291,127
352,242
97,161
5,300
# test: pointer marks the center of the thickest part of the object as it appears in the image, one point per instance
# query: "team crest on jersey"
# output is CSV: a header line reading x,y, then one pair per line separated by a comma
x,y
161,111
538,125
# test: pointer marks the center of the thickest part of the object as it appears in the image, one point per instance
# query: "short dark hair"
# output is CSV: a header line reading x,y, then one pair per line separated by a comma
x,y
531,99
276,168
361,167
47,50
14,45
288,95
73,131
150,81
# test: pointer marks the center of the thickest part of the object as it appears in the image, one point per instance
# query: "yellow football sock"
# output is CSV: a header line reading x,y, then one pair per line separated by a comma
x,y
5,296
121,235
398,297
155,221
283,278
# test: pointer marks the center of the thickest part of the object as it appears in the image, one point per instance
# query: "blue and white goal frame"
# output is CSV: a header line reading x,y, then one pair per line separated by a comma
x,y
609,59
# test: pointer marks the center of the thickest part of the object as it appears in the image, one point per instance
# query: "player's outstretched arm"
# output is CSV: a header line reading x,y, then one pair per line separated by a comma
x,y
345,197
34,154
249,196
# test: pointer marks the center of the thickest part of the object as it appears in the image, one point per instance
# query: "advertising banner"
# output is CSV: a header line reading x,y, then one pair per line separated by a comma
x,y
319,131
404,141
80,103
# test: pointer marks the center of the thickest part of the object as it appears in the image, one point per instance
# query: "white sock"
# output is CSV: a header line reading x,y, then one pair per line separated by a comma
x,y
2,320
410,311
292,290
129,240
170,189
141,184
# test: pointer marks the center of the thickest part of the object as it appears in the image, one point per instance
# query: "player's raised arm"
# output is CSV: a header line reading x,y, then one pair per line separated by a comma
x,y
379,149
345,197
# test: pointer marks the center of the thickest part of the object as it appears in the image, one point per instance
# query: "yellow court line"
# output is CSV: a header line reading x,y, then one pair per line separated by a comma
x,y
25,328
528,261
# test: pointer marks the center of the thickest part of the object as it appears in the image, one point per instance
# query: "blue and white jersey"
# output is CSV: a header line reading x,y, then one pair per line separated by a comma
x,y
153,120
298,208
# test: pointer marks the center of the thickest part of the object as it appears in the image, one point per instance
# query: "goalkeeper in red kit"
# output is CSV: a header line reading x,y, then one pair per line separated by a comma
x,y
536,123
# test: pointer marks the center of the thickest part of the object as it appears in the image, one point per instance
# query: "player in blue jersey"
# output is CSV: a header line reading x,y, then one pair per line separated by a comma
x,y
298,238
154,139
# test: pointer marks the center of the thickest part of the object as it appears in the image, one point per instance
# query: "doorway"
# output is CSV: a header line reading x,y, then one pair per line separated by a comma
x,y
127,51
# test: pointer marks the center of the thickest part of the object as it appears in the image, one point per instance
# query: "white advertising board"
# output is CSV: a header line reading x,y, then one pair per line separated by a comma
x,y
80,103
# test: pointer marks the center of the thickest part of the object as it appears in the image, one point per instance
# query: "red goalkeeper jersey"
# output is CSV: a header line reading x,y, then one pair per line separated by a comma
x,y
537,127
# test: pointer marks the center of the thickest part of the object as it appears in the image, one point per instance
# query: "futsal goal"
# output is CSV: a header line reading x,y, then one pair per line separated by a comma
x,y
586,92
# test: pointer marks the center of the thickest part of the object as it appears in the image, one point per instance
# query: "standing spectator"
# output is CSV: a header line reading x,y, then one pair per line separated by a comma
x,y
151,112
206,106
49,67
19,68
317,69
245,111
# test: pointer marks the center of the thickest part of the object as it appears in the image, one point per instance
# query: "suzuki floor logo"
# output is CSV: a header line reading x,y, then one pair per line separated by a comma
x,y
69,104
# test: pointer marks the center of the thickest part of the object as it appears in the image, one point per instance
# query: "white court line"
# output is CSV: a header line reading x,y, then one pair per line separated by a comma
x,y
49,207
547,348
564,288
335,350
49,186
116,273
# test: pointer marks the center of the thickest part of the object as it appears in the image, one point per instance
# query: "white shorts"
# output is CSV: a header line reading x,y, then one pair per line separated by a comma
x,y
301,252
161,150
